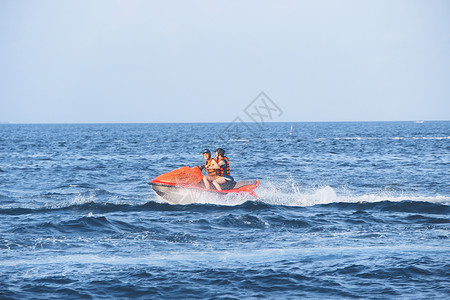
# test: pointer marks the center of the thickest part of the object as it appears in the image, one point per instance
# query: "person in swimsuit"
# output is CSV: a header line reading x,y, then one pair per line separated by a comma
x,y
223,172
211,167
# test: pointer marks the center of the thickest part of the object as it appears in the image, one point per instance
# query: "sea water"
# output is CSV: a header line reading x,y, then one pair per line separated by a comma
x,y
345,210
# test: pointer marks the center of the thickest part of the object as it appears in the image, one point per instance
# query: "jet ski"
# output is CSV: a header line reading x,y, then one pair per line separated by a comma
x,y
185,185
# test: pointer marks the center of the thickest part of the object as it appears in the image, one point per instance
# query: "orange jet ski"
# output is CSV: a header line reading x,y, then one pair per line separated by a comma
x,y
183,185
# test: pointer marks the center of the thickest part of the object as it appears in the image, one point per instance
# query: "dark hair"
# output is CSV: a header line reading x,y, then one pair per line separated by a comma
x,y
220,151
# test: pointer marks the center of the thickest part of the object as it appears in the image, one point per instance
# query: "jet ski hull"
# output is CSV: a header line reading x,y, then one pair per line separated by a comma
x,y
185,194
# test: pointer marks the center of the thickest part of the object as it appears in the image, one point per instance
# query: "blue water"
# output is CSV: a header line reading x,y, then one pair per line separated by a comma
x,y
345,210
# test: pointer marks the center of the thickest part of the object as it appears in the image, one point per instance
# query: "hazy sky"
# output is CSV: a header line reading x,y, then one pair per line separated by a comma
x,y
205,61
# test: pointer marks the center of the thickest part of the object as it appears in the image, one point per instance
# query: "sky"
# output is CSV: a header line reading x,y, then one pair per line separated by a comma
x,y
147,61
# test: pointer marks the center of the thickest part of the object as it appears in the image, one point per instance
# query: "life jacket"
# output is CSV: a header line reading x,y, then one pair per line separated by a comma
x,y
211,172
225,168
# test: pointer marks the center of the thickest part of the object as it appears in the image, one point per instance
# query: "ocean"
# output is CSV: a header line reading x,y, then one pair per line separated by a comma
x,y
345,210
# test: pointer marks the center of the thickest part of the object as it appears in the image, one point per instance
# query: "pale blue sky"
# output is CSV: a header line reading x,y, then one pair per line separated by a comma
x,y
204,61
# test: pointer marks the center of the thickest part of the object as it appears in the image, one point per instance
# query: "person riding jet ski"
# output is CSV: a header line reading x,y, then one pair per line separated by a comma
x,y
211,167
224,180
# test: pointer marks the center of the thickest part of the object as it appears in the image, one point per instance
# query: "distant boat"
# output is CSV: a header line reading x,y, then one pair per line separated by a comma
x,y
419,121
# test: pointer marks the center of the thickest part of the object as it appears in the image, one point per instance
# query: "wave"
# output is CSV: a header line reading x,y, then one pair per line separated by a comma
x,y
271,193
269,199
430,137
294,196
90,223
386,138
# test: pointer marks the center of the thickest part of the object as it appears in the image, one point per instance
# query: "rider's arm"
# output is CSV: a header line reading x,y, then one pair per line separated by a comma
x,y
214,165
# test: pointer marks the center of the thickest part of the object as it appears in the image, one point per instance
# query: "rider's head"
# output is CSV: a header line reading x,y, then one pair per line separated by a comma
x,y
206,154
220,152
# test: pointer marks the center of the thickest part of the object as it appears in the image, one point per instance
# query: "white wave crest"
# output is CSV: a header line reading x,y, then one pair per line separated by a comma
x,y
387,138
189,196
270,193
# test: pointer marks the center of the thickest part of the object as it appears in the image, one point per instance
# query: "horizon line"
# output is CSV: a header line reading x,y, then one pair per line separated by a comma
x,y
106,123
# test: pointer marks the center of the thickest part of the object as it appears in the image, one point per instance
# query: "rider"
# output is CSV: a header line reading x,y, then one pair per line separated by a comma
x,y
224,170
211,167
